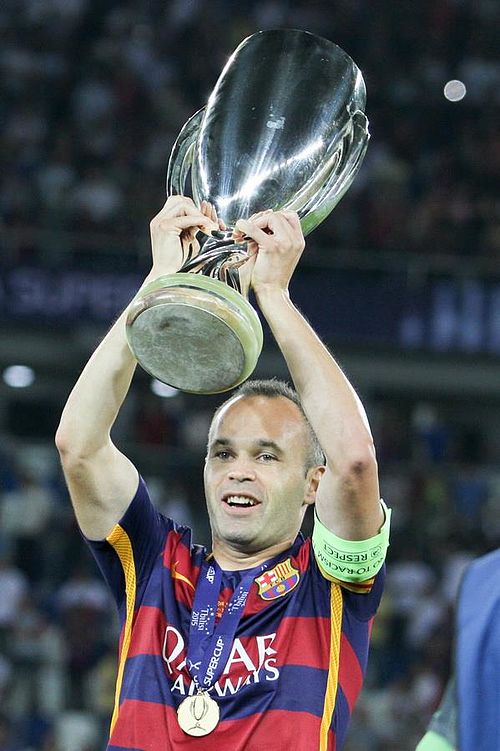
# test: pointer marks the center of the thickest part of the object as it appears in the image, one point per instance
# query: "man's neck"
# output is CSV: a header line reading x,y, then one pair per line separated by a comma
x,y
233,559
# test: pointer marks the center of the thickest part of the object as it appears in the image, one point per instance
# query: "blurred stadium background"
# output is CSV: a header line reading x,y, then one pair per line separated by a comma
x,y
402,281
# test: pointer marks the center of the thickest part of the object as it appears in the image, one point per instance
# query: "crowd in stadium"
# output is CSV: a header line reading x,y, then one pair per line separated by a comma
x,y
95,93
93,96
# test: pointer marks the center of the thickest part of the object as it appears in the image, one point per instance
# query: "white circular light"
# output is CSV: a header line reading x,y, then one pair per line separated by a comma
x,y
454,90
163,389
18,376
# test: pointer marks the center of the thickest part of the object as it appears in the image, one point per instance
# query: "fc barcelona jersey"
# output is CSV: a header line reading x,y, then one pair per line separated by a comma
x,y
297,660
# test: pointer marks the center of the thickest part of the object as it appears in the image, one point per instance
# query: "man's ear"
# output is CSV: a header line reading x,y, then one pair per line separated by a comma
x,y
313,478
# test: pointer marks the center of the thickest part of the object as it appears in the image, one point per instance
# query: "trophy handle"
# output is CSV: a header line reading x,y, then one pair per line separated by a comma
x,y
351,153
181,154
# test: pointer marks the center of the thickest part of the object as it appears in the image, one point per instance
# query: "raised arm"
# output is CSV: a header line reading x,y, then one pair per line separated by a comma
x,y
348,496
101,480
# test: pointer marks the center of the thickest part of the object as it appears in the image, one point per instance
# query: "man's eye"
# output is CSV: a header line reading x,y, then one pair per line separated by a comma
x,y
222,455
267,457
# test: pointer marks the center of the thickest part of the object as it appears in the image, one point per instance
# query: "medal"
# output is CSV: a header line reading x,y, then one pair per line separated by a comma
x,y
210,645
198,714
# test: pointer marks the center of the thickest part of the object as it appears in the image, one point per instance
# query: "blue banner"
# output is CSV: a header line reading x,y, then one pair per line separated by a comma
x,y
359,308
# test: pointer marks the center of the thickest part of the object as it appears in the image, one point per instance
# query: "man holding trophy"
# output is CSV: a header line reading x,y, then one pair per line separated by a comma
x,y
262,642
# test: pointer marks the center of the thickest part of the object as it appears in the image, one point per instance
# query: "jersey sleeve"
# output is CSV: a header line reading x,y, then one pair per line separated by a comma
x,y
133,544
363,606
361,603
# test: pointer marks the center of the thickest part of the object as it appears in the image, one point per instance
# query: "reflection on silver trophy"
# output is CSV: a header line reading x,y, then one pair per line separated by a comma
x,y
284,128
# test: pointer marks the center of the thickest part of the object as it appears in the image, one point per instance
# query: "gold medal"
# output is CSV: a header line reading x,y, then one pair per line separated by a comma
x,y
198,714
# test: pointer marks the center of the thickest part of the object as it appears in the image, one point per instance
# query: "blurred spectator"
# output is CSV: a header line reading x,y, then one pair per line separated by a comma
x,y
96,200
83,602
5,681
25,514
6,735
38,654
76,731
431,435
426,619
14,587
156,424
455,558
408,580
100,687
470,489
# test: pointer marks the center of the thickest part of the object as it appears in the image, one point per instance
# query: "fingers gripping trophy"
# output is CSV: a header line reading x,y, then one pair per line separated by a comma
x,y
284,129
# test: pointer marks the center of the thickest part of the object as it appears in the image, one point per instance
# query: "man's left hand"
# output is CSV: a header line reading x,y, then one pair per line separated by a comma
x,y
276,244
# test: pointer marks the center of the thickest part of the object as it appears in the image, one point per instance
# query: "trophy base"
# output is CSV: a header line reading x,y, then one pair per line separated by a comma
x,y
194,333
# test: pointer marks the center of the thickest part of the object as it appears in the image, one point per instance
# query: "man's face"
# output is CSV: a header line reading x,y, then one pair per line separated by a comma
x,y
255,479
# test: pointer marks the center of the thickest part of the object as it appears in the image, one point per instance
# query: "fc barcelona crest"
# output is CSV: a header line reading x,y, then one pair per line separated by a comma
x,y
278,581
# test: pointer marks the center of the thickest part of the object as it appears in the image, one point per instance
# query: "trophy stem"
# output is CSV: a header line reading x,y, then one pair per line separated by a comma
x,y
220,258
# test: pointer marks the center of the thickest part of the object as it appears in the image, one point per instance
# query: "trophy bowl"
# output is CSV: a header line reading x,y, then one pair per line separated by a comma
x,y
284,128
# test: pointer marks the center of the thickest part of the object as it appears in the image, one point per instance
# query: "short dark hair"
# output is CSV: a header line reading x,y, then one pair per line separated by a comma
x,y
272,388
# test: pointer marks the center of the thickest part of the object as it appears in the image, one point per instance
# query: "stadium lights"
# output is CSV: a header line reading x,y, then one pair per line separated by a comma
x,y
162,389
18,376
454,90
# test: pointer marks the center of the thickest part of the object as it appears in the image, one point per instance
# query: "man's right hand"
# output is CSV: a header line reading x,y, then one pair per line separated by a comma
x,y
173,232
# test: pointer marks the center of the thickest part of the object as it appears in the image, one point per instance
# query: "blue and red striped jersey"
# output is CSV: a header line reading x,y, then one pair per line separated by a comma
x,y
297,661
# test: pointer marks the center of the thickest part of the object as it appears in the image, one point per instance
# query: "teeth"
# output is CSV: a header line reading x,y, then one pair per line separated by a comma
x,y
240,500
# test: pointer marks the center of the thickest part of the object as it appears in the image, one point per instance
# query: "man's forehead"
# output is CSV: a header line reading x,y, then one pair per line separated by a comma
x,y
249,414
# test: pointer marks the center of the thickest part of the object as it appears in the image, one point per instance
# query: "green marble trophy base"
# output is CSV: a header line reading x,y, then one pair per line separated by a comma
x,y
194,333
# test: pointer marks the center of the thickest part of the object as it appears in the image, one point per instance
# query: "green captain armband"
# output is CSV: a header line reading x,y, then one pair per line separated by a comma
x,y
350,560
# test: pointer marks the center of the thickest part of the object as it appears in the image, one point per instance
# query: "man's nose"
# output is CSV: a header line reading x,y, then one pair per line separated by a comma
x,y
240,472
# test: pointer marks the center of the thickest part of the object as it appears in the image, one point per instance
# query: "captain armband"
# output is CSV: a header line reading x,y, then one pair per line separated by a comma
x,y
350,560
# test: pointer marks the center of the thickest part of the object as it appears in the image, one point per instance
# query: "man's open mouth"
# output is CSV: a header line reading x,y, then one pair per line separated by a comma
x,y
240,501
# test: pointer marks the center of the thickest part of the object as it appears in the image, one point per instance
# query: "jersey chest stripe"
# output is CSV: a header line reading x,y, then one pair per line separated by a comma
x,y
120,541
333,670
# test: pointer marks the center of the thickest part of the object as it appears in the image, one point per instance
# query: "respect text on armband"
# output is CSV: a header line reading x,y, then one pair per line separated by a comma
x,y
340,563
349,557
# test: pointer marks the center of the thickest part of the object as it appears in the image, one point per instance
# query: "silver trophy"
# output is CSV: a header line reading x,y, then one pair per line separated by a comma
x,y
284,128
